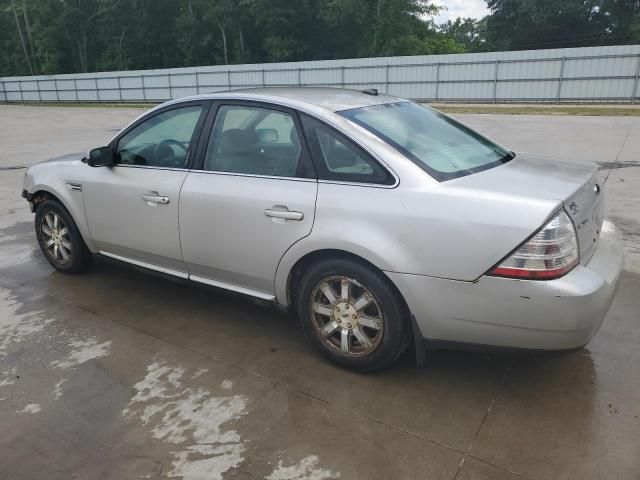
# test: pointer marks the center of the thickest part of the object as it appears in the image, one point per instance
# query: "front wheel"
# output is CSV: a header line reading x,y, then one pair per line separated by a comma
x,y
60,239
352,315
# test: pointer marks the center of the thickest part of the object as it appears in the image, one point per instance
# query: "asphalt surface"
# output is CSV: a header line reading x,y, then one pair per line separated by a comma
x,y
118,374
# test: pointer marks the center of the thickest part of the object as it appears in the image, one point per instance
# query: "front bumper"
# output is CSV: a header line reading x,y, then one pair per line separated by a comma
x,y
547,315
29,198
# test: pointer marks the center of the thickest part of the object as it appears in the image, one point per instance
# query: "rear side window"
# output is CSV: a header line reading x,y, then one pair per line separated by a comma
x,y
253,140
337,158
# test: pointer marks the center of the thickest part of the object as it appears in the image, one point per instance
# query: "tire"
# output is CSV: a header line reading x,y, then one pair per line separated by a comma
x,y
374,310
68,253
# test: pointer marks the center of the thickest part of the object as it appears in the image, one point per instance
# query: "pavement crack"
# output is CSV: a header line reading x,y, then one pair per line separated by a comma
x,y
484,420
499,468
14,167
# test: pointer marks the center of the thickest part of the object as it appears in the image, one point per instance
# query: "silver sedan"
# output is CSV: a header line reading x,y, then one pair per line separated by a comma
x,y
380,222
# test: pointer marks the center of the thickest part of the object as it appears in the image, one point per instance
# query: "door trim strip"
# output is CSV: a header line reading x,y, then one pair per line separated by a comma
x,y
150,266
207,281
233,288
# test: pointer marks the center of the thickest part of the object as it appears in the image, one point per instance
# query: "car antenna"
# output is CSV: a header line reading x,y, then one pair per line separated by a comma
x,y
371,91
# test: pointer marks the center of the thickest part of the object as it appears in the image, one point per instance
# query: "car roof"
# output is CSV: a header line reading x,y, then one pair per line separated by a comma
x,y
332,99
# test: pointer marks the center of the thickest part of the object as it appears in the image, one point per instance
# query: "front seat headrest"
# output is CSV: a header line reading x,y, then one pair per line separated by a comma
x,y
235,141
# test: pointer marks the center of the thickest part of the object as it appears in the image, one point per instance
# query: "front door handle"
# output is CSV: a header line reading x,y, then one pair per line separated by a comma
x,y
285,214
154,198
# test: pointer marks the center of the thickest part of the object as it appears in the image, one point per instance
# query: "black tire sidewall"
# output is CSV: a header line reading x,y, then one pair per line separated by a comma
x,y
395,315
80,255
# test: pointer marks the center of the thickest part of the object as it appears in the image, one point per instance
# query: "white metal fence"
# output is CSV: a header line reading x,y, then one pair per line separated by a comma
x,y
591,74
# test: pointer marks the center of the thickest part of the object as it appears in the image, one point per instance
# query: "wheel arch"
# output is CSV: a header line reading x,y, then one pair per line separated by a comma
x,y
40,193
305,261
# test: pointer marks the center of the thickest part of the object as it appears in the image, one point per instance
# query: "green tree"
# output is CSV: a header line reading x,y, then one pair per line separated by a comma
x,y
60,36
533,24
635,30
622,20
468,32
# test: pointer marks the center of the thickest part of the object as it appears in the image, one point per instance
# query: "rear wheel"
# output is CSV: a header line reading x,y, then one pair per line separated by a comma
x,y
352,314
60,239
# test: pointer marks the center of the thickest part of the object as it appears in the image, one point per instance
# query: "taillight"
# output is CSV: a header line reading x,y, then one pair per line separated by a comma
x,y
550,253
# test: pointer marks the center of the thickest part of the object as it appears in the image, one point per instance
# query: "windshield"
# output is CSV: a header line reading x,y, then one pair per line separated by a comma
x,y
438,144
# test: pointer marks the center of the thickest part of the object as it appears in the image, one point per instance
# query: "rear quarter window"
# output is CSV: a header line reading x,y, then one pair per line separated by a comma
x,y
337,158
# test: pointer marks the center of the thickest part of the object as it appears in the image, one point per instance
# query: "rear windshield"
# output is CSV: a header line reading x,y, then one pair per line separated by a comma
x,y
438,144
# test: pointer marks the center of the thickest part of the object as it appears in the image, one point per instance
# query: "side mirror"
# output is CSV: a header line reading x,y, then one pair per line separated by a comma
x,y
267,135
101,157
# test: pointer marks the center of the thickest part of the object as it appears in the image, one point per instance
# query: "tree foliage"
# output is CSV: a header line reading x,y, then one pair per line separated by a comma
x,y
533,24
61,36
468,32
57,36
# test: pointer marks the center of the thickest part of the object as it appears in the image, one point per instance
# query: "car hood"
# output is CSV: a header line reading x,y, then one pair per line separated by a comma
x,y
54,174
68,158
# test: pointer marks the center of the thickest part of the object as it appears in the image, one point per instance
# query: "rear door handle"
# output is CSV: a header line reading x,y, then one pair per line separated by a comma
x,y
154,197
284,214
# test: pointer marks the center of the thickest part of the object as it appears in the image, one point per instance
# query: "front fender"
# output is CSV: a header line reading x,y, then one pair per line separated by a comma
x,y
55,178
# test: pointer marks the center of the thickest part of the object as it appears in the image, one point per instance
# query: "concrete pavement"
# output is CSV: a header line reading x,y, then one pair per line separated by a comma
x,y
118,374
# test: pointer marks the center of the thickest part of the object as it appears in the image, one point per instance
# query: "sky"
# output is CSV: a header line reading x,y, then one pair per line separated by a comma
x,y
461,8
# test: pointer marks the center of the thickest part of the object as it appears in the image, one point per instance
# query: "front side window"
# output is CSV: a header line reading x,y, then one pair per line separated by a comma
x,y
253,140
339,159
160,141
438,144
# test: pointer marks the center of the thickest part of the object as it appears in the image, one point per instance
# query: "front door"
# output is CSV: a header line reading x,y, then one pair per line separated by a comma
x,y
252,197
132,207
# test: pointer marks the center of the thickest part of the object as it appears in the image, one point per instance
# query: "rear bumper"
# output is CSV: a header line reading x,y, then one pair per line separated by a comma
x,y
545,315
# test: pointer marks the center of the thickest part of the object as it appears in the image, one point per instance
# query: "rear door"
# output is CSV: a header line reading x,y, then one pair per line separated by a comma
x,y
250,197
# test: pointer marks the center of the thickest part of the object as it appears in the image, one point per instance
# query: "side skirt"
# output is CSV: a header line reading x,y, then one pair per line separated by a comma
x,y
194,278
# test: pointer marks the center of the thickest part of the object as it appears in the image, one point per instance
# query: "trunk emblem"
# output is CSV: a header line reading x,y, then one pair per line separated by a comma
x,y
574,207
596,189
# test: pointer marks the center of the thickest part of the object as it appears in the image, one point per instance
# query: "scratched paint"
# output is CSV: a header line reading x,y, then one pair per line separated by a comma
x,y
305,469
190,418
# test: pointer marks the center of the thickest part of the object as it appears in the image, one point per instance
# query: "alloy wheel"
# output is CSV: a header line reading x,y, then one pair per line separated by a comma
x,y
55,235
346,316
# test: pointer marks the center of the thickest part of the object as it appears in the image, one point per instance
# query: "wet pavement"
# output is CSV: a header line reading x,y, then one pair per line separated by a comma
x,y
119,374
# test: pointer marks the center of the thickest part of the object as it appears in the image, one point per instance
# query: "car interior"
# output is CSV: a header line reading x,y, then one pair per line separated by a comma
x,y
266,142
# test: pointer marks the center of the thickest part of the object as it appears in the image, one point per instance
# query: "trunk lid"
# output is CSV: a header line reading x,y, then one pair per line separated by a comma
x,y
535,176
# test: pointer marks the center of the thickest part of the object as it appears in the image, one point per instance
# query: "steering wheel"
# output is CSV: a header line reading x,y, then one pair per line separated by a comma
x,y
164,154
